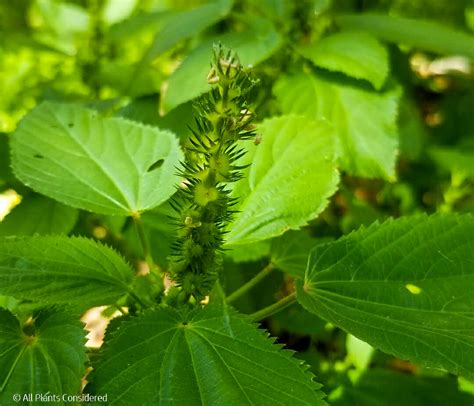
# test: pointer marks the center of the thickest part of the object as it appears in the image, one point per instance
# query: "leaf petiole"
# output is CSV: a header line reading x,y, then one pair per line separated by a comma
x,y
251,283
274,308
144,242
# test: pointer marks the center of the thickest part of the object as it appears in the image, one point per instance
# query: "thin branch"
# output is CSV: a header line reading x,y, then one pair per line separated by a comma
x,y
144,242
250,284
274,308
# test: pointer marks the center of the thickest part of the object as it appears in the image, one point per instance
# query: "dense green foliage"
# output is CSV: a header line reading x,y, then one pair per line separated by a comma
x,y
196,167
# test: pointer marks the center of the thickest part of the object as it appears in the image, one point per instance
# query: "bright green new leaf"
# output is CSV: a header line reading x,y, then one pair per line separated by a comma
x,y
422,34
389,388
62,270
364,121
291,177
190,79
48,358
211,356
404,286
356,54
105,165
39,215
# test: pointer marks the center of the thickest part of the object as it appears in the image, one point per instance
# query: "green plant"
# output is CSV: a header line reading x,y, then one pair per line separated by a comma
x,y
317,178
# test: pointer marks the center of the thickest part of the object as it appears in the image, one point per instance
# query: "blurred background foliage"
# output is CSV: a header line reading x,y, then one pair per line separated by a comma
x,y
147,59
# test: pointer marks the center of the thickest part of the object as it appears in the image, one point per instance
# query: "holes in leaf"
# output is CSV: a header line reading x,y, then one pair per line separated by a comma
x,y
158,164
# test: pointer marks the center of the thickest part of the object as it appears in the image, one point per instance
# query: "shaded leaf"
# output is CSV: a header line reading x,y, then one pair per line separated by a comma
x,y
5,172
185,24
62,270
297,320
290,252
422,34
99,164
291,177
50,361
404,286
211,356
379,387
190,79
146,110
39,215
249,252
458,159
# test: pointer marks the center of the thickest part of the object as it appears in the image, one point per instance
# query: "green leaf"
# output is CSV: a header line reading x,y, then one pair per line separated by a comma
x,y
249,252
62,270
459,159
297,320
422,34
171,28
190,79
292,175
211,356
5,173
117,75
49,361
359,353
290,252
186,24
364,121
8,302
105,165
380,387
39,215
234,275
404,286
356,54
412,129
145,110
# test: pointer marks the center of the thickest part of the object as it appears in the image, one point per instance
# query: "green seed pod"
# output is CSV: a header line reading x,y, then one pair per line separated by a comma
x,y
204,206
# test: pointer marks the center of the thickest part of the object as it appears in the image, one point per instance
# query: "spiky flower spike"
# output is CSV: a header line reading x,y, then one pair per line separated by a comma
x,y
203,204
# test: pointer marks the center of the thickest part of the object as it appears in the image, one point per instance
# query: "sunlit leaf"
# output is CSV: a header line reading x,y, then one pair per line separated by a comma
x,y
291,177
364,121
99,164
354,53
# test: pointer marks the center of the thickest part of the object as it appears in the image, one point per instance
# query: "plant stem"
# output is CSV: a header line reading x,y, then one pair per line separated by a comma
x,y
137,299
250,284
144,242
274,308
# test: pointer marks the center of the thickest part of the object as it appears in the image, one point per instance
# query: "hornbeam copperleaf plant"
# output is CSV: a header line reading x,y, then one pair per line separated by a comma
x,y
290,225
